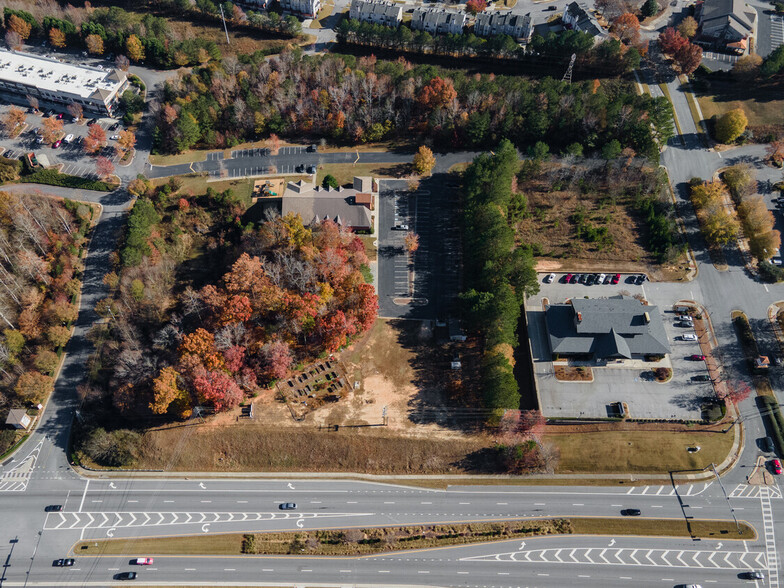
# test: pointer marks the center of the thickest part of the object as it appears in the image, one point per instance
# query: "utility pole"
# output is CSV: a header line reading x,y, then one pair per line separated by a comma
x,y
732,510
225,30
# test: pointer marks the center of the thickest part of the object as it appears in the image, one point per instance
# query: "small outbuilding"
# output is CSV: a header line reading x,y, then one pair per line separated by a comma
x,y
18,419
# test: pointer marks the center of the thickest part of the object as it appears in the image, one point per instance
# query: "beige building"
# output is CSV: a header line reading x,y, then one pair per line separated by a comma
x,y
350,208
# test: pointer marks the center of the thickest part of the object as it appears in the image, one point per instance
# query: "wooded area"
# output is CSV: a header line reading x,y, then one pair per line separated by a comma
x,y
358,100
207,310
41,241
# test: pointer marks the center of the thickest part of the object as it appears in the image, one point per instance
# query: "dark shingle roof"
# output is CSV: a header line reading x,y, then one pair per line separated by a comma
x,y
608,327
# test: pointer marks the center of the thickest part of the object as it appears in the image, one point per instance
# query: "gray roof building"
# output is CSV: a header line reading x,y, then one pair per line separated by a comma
x,y
726,20
438,20
504,22
619,327
18,418
577,17
376,11
315,204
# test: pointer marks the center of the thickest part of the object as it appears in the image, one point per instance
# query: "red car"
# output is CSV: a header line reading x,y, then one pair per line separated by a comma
x,y
57,143
616,278
697,357
567,278
144,561
776,465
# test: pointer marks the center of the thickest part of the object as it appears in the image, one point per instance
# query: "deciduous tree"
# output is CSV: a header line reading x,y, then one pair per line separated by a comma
x,y
688,58
58,335
688,27
424,161
75,110
277,358
731,125
33,386
104,167
775,151
95,139
19,26
57,38
476,6
13,40
52,129
720,226
438,93
627,28
127,140
166,389
13,118
411,241
134,48
94,44
218,389
122,62
747,67
734,392
46,361
670,41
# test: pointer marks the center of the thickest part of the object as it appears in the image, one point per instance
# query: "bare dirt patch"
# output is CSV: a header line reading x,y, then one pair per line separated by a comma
x,y
565,373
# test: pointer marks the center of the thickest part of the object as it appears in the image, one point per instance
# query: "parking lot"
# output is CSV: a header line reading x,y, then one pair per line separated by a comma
x,y
629,381
75,161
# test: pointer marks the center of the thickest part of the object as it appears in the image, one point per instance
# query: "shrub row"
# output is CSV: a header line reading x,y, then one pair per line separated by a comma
x,y
51,177
772,411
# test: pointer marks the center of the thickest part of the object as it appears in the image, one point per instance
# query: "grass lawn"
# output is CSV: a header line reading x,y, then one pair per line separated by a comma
x,y
185,157
344,172
445,535
370,249
326,10
764,108
639,451
198,184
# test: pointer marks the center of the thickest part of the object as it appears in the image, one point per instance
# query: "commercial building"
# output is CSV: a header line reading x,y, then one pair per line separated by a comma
x,y
726,24
306,8
438,21
618,327
377,12
517,26
348,207
50,81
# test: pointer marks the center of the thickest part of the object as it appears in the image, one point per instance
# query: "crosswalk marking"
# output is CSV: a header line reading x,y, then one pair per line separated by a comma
x,y
748,491
16,480
770,539
688,490
670,558
776,31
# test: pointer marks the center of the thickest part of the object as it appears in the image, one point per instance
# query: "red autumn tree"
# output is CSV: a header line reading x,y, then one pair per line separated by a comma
x,y
670,41
475,6
688,58
236,310
366,307
277,358
438,93
218,389
95,139
335,329
734,392
235,358
627,28
775,151
104,167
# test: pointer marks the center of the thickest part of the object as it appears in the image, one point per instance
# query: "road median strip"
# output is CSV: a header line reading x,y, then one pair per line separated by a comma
x,y
369,541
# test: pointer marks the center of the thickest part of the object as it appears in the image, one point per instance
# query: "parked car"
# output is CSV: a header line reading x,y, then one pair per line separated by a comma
x,y
114,127
688,337
701,378
589,280
92,121
548,279
59,116
287,506
400,228
143,561
63,563
640,279
608,279
57,143
600,278
697,357
631,512
313,148
114,137
684,325
311,169
69,138
582,278
616,278
574,278
775,465
567,279
767,444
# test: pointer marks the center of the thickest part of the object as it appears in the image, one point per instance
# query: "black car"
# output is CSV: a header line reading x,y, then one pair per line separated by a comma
x,y
114,127
574,278
63,563
92,121
287,506
640,279
300,168
752,575
631,512
313,148
54,508
125,576
589,280
767,444
701,378
311,169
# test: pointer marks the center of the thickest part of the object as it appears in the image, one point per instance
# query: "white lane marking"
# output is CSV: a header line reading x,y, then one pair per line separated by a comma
x,y
84,494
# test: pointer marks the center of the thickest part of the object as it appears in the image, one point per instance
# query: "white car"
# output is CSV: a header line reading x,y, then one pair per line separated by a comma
x,y
548,279
69,138
600,280
689,337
